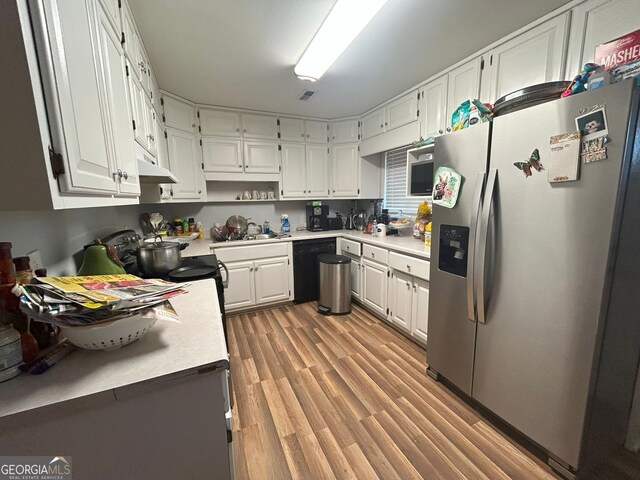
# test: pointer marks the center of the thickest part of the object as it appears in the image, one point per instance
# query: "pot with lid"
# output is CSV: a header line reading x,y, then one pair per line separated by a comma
x,y
159,258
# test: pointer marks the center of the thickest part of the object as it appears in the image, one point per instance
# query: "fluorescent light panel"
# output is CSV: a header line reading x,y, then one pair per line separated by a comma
x,y
345,21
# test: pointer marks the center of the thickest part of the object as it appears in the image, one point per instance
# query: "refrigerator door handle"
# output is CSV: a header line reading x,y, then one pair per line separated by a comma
x,y
482,249
473,224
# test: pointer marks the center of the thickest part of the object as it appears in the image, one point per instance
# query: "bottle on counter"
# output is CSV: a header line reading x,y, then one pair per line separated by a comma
x,y
284,222
265,227
185,225
177,224
192,225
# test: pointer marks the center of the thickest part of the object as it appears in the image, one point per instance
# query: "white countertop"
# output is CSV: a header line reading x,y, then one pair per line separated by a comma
x,y
399,243
168,348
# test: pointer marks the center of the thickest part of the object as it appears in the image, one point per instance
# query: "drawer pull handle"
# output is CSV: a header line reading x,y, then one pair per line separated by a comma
x,y
409,267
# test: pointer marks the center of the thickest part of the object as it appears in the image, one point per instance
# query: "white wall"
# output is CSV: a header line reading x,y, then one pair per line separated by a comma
x,y
61,234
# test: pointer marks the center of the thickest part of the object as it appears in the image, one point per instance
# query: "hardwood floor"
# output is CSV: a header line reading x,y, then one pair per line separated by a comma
x,y
348,397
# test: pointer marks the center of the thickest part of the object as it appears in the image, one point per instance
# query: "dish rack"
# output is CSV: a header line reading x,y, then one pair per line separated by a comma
x,y
110,335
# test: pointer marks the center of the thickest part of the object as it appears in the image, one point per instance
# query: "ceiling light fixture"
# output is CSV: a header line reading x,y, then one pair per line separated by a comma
x,y
345,21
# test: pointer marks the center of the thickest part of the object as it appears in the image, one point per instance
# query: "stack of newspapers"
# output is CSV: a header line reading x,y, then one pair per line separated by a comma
x,y
88,300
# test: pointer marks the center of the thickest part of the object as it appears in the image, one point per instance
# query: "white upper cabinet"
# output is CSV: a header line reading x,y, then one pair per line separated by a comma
x,y
115,83
185,164
222,123
344,170
155,91
598,21
179,114
434,107
80,132
294,172
130,40
345,131
138,110
292,129
373,124
259,126
152,145
112,11
401,111
317,171
261,157
222,155
463,84
316,132
534,57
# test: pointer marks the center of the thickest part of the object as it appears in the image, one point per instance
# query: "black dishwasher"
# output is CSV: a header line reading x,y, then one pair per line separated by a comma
x,y
305,267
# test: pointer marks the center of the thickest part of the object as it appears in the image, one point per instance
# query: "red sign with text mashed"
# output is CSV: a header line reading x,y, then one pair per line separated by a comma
x,y
622,50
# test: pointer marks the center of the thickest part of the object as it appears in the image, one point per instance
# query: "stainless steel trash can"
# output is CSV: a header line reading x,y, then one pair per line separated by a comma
x,y
335,284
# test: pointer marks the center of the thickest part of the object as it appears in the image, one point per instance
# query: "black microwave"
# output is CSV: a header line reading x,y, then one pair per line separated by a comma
x,y
420,175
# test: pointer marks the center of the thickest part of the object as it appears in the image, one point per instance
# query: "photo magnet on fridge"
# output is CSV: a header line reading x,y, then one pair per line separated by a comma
x,y
447,187
594,131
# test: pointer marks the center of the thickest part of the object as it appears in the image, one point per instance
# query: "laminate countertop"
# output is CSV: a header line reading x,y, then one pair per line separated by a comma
x,y
168,350
398,243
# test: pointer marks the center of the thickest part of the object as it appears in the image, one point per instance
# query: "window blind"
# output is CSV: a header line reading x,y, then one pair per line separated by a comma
x,y
395,183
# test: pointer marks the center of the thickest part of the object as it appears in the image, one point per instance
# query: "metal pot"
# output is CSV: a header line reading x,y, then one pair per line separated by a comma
x,y
237,225
159,258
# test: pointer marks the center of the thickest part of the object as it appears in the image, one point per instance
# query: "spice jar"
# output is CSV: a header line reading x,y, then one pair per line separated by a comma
x,y
24,274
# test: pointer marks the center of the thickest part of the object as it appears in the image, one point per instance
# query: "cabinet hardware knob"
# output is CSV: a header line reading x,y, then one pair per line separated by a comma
x,y
373,255
348,248
408,285
193,125
381,125
440,131
199,192
448,129
409,267
239,166
415,289
386,123
244,130
125,175
238,130
302,135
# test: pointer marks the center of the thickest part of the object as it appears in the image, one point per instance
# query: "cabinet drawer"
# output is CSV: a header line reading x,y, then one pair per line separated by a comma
x,y
251,252
374,253
411,265
351,247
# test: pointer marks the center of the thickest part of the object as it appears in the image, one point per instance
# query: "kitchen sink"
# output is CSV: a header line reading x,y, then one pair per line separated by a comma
x,y
264,236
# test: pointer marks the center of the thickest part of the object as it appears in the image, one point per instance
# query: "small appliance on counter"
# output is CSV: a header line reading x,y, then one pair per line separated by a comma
x,y
334,223
317,218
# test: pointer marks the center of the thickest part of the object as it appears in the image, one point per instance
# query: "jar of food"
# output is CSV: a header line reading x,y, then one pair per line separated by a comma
x,y
24,274
10,352
192,224
177,224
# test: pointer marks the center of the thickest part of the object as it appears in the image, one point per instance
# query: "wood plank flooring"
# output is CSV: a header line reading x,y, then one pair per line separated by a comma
x,y
347,397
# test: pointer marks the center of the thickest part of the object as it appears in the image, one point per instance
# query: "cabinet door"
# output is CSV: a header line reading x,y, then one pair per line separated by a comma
x,y
373,124
374,286
345,131
434,107
529,59
598,21
112,11
294,172
222,155
261,157
356,277
184,160
317,132
420,315
131,40
241,290
259,126
219,122
292,130
401,111
344,171
80,131
317,171
151,121
271,280
115,85
400,299
155,92
179,114
138,110
463,84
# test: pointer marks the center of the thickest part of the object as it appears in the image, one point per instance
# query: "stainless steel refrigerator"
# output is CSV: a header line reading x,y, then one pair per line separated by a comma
x,y
535,286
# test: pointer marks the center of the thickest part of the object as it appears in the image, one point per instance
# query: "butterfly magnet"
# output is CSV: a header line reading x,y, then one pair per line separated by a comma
x,y
532,163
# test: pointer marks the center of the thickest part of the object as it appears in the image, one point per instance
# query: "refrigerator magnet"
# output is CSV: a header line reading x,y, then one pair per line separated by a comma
x,y
593,150
532,163
564,158
447,187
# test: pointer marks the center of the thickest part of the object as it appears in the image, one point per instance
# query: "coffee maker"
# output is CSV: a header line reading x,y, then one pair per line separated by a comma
x,y
317,218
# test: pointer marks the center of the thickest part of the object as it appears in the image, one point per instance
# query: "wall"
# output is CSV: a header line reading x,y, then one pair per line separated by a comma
x,y
61,235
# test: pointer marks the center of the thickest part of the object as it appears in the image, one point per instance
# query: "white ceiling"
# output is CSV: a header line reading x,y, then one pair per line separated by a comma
x,y
241,53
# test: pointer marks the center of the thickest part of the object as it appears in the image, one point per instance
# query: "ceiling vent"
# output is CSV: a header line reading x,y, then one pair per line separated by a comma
x,y
307,94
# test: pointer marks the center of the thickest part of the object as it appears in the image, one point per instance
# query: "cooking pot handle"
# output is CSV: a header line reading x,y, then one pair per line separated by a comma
x,y
225,283
184,245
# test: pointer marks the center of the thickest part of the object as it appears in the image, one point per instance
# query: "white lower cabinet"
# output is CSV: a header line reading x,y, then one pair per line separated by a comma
x,y
374,286
420,307
271,280
241,291
400,300
356,277
258,275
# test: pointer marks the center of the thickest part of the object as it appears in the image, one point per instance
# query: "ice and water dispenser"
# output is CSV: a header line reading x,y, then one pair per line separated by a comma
x,y
454,246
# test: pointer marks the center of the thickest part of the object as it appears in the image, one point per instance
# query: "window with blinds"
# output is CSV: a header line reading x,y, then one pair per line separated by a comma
x,y
395,183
